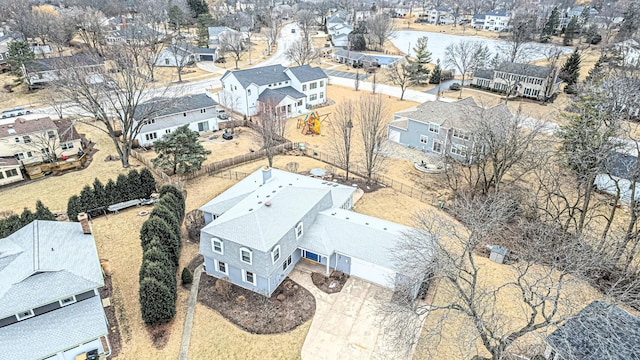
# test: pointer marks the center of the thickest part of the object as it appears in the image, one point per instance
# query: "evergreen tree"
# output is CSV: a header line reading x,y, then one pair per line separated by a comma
x,y
43,212
170,202
570,32
157,302
135,184
148,183
422,54
160,272
187,277
175,200
167,248
19,53
198,7
99,193
597,72
157,228
436,74
204,21
585,15
179,151
176,17
122,189
571,71
550,26
167,215
87,199
592,35
10,225
155,253
111,193
73,207
26,217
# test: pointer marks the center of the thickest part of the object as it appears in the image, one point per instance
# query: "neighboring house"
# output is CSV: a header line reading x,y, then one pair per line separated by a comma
x,y
628,52
257,231
355,59
494,20
5,40
339,29
118,22
183,54
10,170
42,71
524,80
576,12
441,127
338,17
31,139
50,305
289,90
440,16
136,34
198,111
217,33
618,174
599,331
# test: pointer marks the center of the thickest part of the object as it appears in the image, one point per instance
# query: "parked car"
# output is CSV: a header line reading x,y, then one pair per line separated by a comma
x,y
227,136
221,60
293,31
222,115
455,86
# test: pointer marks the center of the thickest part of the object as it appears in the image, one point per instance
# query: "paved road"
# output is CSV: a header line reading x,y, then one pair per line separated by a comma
x,y
285,40
346,74
444,86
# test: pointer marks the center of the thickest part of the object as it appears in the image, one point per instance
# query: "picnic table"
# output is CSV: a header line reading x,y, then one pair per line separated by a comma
x,y
123,205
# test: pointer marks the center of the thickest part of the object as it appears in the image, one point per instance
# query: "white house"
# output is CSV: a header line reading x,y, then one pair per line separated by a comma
x,y
494,20
519,79
183,54
216,33
440,16
289,90
42,71
629,52
198,111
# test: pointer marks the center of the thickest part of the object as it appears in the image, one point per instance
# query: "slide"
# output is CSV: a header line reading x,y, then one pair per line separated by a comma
x,y
316,126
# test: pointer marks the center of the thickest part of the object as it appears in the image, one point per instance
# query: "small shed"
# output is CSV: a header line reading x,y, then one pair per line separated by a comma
x,y
498,254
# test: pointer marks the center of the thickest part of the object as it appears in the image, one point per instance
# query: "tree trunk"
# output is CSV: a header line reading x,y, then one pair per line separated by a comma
x,y
461,86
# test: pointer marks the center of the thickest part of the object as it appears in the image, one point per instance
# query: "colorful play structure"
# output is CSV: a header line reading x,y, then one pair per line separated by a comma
x,y
310,124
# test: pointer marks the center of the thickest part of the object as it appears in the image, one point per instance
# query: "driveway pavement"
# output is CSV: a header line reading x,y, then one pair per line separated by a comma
x,y
345,325
346,74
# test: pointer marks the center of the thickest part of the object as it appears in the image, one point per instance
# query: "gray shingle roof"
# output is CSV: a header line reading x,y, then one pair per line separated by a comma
x,y
169,106
136,32
483,74
599,331
24,126
306,73
50,261
47,334
264,75
525,69
276,95
63,62
218,30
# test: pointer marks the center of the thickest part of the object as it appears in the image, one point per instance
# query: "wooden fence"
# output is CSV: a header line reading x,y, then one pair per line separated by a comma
x,y
166,179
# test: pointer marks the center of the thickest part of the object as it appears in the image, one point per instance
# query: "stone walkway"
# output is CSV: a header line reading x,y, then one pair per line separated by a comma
x,y
191,308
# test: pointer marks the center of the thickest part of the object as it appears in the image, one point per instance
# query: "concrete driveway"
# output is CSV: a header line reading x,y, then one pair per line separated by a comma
x,y
345,325
346,74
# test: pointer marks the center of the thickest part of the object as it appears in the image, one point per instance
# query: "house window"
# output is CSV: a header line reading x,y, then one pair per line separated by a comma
x,y
184,114
460,134
313,97
151,136
424,139
67,301
299,230
29,154
27,139
459,150
249,277
11,173
45,150
17,139
221,267
434,128
20,156
286,263
167,131
25,315
68,145
1,175
304,87
217,245
245,255
321,95
299,102
203,126
321,83
437,146
249,92
51,134
275,254
313,85
150,121
166,61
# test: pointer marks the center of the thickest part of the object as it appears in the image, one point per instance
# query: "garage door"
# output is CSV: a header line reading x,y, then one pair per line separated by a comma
x,y
394,135
206,57
373,273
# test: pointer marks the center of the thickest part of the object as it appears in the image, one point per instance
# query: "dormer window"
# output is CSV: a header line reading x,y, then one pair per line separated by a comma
x,y
299,230
217,245
246,256
25,315
275,254
68,301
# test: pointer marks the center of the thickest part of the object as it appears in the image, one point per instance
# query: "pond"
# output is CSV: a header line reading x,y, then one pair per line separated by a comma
x,y
405,40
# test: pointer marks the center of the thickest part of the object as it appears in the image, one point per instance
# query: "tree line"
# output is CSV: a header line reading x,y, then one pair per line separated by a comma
x,y
14,222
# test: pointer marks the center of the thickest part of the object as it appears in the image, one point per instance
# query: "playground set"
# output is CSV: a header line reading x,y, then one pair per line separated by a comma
x,y
311,123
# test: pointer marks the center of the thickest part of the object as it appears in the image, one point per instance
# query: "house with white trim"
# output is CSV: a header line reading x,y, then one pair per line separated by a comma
x,y
183,54
519,79
289,90
258,229
167,114
494,20
50,305
40,72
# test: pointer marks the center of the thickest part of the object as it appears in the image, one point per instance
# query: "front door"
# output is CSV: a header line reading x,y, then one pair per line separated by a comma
x,y
311,256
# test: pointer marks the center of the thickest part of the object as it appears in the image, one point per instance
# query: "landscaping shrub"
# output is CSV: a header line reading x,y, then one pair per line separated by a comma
x,y
74,207
99,193
160,272
15,222
194,222
169,189
43,212
87,199
134,185
158,229
111,195
170,202
187,278
155,253
167,215
157,302
148,182
122,189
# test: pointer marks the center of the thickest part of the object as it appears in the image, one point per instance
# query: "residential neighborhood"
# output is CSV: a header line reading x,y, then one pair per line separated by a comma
x,y
319,179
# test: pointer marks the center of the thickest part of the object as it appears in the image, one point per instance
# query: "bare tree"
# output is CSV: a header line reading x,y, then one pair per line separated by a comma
x,y
274,26
372,115
232,43
89,25
380,27
270,126
466,56
301,52
306,20
178,51
113,96
55,100
518,48
342,125
403,75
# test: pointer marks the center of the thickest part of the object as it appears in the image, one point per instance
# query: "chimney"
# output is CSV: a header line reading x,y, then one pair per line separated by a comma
x,y
124,22
84,222
266,174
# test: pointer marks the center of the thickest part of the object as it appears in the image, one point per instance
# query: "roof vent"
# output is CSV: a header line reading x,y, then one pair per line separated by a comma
x,y
267,203
280,186
366,223
290,184
384,228
251,209
347,218
259,202
268,196
273,191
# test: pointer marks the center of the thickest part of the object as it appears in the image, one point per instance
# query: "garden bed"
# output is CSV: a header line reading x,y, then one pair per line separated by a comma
x,y
115,339
330,284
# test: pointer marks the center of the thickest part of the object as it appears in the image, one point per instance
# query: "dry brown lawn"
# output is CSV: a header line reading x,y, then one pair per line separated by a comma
x,y
445,29
20,95
167,75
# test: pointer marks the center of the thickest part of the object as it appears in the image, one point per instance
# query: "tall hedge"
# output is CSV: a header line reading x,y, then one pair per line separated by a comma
x,y
155,253
15,222
157,302
156,228
167,215
148,182
74,207
160,272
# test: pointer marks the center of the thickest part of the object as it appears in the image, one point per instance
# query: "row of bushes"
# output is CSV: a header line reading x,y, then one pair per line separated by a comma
x,y
15,222
160,241
93,200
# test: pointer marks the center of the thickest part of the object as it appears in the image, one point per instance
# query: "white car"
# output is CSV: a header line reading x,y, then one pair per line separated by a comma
x,y
222,114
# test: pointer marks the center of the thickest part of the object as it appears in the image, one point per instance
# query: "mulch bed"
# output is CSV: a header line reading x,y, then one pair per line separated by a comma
x,y
115,340
330,284
192,265
290,305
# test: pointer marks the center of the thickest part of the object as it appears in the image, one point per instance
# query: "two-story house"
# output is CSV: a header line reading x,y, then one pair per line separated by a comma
x,y
133,34
217,33
599,331
290,91
43,71
440,16
517,79
258,229
494,20
164,115
50,305
182,54
439,127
